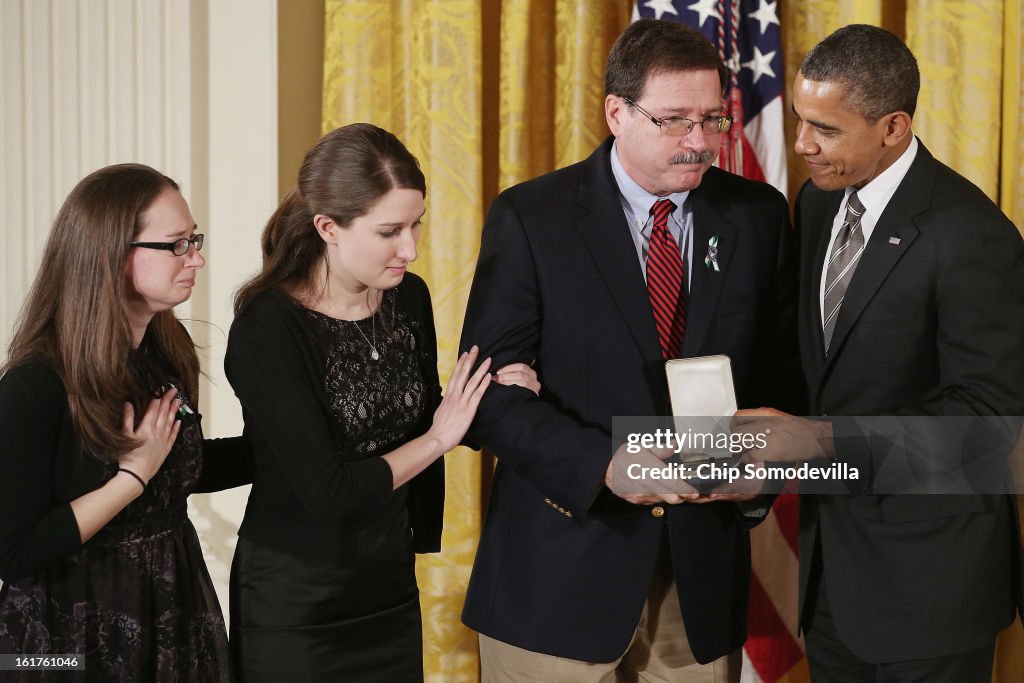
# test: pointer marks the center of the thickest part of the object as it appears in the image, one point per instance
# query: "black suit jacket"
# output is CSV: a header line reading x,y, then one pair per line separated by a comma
x,y
564,566
932,324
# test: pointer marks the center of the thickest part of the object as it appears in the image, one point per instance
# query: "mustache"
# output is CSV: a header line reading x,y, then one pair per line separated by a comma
x,y
704,157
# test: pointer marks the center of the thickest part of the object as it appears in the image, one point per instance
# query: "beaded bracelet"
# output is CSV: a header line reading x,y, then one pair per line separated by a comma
x,y
137,477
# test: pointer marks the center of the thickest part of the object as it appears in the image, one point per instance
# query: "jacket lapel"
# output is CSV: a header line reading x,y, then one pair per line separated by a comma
x,y
709,219
814,224
880,256
605,231
823,237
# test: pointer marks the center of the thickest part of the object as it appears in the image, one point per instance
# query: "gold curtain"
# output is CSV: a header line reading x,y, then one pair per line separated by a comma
x,y
489,93
1011,196
959,50
414,68
552,82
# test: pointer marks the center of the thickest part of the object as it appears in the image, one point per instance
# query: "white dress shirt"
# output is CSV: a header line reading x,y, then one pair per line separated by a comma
x,y
875,197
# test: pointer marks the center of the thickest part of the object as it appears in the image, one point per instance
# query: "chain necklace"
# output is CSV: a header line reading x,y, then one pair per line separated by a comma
x,y
374,354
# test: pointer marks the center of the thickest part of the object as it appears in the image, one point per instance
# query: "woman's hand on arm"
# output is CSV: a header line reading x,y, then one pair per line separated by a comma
x,y
156,432
451,420
519,374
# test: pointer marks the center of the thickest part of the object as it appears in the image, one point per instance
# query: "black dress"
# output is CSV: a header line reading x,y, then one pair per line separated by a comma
x,y
135,602
348,612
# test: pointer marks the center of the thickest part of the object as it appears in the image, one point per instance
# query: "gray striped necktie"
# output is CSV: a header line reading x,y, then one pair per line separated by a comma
x,y
842,262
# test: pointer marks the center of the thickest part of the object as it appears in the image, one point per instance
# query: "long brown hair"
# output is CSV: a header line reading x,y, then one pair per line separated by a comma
x,y
342,176
73,318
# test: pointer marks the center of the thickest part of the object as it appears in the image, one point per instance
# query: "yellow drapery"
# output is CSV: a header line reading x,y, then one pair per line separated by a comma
x,y
414,68
487,93
1011,196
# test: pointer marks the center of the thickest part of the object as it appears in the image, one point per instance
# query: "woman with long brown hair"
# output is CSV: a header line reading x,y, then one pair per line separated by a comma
x,y
333,357
102,444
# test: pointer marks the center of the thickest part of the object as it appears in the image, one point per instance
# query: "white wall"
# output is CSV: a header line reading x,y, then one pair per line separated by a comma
x,y
186,86
84,84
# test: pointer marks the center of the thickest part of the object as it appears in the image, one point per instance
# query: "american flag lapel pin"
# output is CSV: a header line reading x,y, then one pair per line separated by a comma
x,y
894,240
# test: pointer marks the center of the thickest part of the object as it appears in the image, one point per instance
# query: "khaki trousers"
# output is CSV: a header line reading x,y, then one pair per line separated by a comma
x,y
659,652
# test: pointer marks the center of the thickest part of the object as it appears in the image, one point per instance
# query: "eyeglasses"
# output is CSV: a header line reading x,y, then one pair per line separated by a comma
x,y
177,247
680,125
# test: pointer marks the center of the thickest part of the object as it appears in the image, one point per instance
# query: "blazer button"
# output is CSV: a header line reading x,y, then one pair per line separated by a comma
x,y
657,512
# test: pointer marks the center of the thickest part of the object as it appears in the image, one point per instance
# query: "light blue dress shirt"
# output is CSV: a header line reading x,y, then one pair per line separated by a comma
x,y
637,203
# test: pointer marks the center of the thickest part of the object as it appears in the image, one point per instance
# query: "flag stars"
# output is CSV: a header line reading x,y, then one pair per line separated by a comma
x,y
705,9
761,64
661,7
766,15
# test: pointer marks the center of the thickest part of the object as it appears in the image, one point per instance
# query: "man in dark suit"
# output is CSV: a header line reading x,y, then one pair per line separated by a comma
x,y
911,304
601,271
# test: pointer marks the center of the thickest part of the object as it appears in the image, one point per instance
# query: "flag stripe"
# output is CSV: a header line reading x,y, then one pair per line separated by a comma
x,y
786,511
771,649
776,568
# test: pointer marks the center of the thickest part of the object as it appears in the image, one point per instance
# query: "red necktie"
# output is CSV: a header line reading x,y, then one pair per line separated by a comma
x,y
666,282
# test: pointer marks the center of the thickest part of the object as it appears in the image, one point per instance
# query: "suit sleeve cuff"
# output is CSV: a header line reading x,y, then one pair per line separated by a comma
x,y
855,450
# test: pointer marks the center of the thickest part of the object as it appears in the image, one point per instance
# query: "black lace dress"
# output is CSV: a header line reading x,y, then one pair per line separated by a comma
x,y
135,602
354,615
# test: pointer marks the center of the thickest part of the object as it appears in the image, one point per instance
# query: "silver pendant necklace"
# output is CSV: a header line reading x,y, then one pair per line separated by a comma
x,y
374,354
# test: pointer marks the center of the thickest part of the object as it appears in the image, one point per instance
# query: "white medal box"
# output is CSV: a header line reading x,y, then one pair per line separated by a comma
x,y
702,387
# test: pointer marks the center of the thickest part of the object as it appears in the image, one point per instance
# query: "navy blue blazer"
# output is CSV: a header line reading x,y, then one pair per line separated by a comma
x,y
564,566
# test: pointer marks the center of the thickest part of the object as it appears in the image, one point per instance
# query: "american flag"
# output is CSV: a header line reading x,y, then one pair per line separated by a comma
x,y
746,33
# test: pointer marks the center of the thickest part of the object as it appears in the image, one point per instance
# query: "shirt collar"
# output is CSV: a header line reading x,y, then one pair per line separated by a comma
x,y
638,200
877,193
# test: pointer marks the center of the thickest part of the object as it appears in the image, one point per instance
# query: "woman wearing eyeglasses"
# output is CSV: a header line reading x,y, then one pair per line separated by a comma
x,y
102,445
333,357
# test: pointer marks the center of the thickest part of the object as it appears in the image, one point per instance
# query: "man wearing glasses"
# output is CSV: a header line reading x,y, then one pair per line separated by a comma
x,y
602,271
